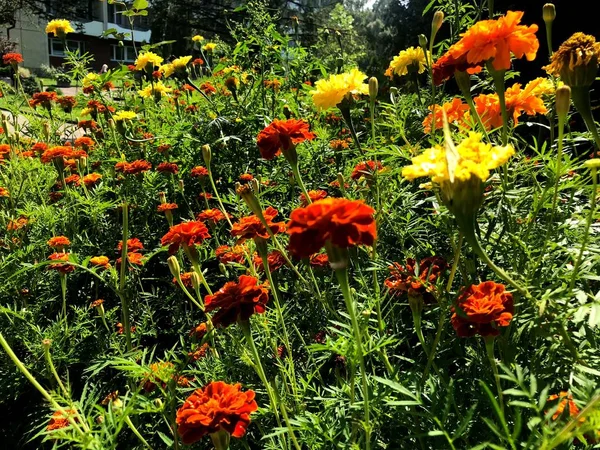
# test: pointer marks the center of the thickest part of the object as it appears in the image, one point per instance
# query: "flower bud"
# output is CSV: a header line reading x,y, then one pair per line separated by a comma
x,y
436,23
592,164
340,179
158,403
206,155
195,281
46,343
563,101
549,13
174,266
223,269
423,41
180,185
117,405
373,88
255,185
162,197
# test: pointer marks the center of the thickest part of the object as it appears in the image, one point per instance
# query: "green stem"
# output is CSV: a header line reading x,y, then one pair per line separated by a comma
x,y
498,77
489,347
348,119
298,178
491,8
54,372
136,432
342,276
122,279
63,290
581,100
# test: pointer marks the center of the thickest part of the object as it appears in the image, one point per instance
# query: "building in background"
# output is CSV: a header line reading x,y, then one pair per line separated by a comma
x,y
39,49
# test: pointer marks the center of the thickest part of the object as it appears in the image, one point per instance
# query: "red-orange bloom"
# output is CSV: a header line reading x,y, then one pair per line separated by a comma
x,y
246,177
167,207
10,58
345,223
216,407
482,309
59,242
200,331
566,399
199,172
167,167
133,245
134,258
63,268
185,234
455,112
67,102
44,99
133,168
275,260
85,143
489,40
211,215
186,279
406,279
319,260
313,195
91,179
4,192
60,419
281,135
39,147
226,254
207,88
100,261
237,301
251,227
366,169
72,180
64,152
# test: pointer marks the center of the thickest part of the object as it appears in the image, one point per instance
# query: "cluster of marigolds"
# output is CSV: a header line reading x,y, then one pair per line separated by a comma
x,y
323,228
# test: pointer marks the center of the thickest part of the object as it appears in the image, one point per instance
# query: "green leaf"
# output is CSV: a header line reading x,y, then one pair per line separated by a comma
x,y
140,4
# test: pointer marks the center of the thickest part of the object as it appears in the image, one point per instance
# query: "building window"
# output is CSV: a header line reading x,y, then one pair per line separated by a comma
x,y
57,48
123,53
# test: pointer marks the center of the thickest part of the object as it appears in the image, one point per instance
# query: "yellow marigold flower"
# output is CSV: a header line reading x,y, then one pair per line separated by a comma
x,y
156,90
197,38
167,70
329,92
124,115
181,63
89,79
85,112
147,58
576,60
475,159
410,59
209,47
228,70
540,87
59,27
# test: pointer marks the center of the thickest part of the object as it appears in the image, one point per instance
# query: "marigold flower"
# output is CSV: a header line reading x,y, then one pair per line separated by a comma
x,y
251,227
44,99
416,284
133,168
319,260
91,179
185,234
216,407
147,60
74,180
489,40
90,125
85,143
281,135
157,90
339,144
275,260
455,113
566,399
199,172
313,195
160,373
67,102
120,116
17,224
4,192
167,167
61,152
246,177
197,38
186,279
59,242
411,59
576,60
197,62
63,268
200,331
329,92
209,47
237,301
100,261
97,303
12,58
208,88
39,147
134,258
59,27
211,215
482,309
226,254
167,207
133,245
366,169
60,419
344,223
199,353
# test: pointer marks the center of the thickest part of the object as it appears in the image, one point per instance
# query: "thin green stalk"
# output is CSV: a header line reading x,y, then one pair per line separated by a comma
x,y
298,178
491,8
345,110
489,348
136,432
342,276
197,268
54,372
122,279
498,77
63,290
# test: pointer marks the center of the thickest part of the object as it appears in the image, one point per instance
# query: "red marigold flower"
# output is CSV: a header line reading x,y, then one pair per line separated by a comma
x,y
237,301
73,180
63,152
366,169
63,268
246,177
566,399
89,125
199,172
59,242
281,135
226,254
167,167
406,279
489,40
275,260
67,102
134,258
17,224
133,245
197,62
208,88
251,227
186,279
200,331
97,303
211,215
120,328
10,58
192,109
167,207
313,195
91,179
481,309
163,148
319,260
199,353
39,147
205,195
88,89
100,261
344,223
60,419
133,168
44,99
4,192
185,234
85,143
216,407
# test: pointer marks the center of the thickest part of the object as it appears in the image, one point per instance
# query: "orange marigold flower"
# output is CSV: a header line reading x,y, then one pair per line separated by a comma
x,y
4,192
91,179
60,419
313,195
133,245
416,280
199,353
67,102
251,227
167,207
200,331
339,144
17,224
163,148
281,135
85,143
44,99
211,215
64,152
455,112
63,268
481,309
59,242
100,261
133,168
167,167
216,407
186,234
134,258
226,254
97,303
73,179
237,301
344,223
566,399
205,195
120,328
199,172
186,279
275,260
366,169
319,260
208,88
246,177
12,58
39,147
89,125
489,40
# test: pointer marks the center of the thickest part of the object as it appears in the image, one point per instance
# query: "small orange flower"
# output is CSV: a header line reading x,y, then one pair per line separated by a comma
x,y
133,245
67,102
566,399
4,192
344,223
237,301
185,234
313,195
97,303
211,216
59,242
63,268
366,169
39,147
251,227
73,180
216,407
12,58
100,261
61,152
92,179
275,260
482,309
406,279
167,207
199,172
200,331
84,142
246,177
60,419
167,167
281,135
226,254
17,224
339,144
455,112
208,88
44,99
133,168
319,260
199,353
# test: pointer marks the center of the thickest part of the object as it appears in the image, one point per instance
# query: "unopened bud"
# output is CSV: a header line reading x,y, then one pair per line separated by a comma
x,y
423,41
563,101
592,164
195,280
82,162
255,185
340,179
162,197
180,185
373,88
46,343
174,266
549,13
436,23
158,402
223,269
117,405
207,155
